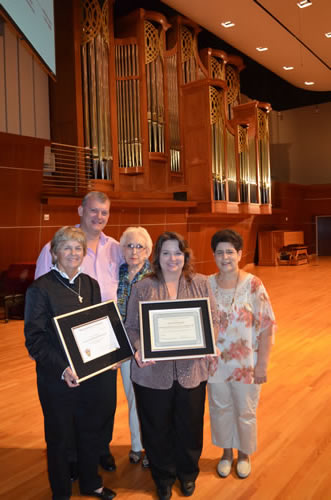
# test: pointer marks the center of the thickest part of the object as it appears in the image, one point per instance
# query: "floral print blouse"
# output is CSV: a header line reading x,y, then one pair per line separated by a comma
x,y
241,325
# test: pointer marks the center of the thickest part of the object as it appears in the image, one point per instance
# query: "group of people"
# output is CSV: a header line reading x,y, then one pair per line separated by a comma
x,y
81,267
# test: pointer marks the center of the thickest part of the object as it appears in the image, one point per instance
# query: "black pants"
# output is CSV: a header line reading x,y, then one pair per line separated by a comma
x,y
82,412
172,430
107,434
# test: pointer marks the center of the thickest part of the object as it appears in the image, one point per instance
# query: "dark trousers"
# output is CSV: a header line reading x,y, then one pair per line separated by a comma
x,y
82,412
172,430
107,434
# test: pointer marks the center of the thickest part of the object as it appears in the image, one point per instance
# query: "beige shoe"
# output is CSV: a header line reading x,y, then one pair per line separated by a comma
x,y
224,467
244,468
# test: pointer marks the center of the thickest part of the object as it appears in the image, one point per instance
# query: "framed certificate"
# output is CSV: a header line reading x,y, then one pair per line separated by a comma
x,y
93,338
176,329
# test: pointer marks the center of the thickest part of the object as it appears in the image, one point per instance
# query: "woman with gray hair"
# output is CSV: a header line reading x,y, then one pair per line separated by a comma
x,y
136,245
68,407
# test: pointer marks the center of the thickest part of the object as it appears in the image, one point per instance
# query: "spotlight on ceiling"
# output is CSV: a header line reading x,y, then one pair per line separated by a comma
x,y
328,35
261,49
288,68
309,83
228,24
304,3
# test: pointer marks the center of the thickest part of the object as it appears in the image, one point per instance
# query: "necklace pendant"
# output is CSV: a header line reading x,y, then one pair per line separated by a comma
x,y
80,298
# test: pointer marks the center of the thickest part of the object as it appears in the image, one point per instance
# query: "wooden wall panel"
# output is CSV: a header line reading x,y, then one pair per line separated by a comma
x,y
3,104
317,201
21,163
19,201
66,92
24,230
18,244
26,92
41,101
11,82
24,105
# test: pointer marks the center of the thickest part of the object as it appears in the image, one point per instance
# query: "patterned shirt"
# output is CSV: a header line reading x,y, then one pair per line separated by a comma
x,y
241,325
188,372
125,285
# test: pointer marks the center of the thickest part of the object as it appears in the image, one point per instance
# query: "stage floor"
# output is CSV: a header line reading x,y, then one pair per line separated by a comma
x,y
294,440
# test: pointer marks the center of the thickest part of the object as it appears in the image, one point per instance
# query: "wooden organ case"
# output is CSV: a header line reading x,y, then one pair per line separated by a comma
x,y
227,147
163,121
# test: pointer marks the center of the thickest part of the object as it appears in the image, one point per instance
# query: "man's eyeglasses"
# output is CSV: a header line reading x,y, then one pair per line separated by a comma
x,y
138,247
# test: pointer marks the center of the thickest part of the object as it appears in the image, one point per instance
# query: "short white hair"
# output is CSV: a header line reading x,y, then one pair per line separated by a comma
x,y
140,231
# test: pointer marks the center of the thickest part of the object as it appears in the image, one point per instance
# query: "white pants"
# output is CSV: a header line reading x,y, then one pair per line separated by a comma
x,y
136,444
232,409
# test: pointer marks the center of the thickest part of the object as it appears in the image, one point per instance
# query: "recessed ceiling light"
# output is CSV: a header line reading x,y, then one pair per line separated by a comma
x,y
261,49
228,24
309,83
328,35
304,3
288,68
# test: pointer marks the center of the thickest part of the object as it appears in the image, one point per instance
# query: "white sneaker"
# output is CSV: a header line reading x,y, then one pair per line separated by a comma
x,y
244,468
224,467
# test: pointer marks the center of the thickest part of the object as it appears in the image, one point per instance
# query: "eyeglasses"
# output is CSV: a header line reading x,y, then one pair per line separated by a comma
x,y
138,247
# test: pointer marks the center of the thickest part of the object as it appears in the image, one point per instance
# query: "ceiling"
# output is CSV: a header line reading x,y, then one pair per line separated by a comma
x,y
294,37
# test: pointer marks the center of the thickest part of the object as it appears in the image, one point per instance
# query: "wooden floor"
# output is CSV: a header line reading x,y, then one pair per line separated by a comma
x,y
293,460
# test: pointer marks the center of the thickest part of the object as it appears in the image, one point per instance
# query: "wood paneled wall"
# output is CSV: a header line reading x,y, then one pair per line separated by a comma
x,y
21,162
24,107
66,108
317,201
24,231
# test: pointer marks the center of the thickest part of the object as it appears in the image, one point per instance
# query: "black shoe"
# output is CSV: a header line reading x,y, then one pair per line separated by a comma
x,y
187,488
107,462
106,494
73,471
145,462
135,456
164,492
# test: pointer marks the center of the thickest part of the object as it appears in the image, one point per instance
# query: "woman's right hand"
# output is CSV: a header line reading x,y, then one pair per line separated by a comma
x,y
70,378
142,364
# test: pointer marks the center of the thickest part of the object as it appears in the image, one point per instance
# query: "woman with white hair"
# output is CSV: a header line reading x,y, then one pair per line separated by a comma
x,y
136,245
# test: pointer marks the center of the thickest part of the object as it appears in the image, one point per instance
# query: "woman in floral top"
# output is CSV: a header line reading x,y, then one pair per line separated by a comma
x,y
245,337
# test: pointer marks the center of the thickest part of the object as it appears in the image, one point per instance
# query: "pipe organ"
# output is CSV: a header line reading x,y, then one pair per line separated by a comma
x,y
161,117
95,54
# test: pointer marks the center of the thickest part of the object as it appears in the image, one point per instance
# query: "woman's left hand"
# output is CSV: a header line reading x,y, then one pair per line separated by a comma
x,y
260,375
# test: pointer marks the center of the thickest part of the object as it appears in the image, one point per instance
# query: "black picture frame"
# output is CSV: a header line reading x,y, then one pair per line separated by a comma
x,y
64,325
173,307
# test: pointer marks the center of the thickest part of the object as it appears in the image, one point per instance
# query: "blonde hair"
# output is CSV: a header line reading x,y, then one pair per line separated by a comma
x,y
97,195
